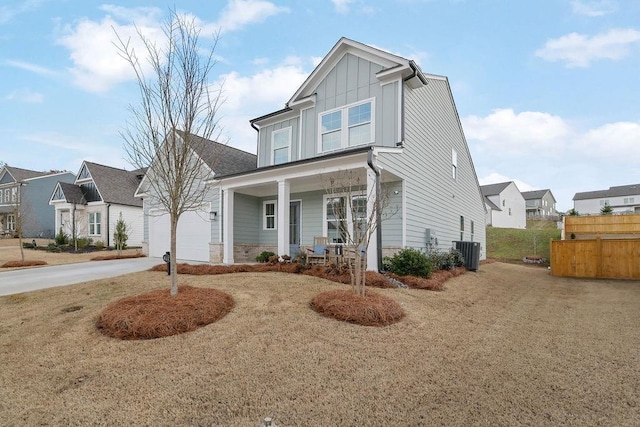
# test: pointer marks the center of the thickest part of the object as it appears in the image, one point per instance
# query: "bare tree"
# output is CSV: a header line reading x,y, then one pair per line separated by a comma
x,y
354,212
22,218
177,107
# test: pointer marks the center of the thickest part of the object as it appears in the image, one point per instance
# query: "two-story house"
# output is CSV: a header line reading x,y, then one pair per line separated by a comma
x,y
505,205
622,199
24,200
91,205
539,203
376,116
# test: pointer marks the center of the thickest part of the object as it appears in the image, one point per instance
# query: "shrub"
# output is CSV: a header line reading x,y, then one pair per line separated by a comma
x,y
120,236
445,260
81,242
53,247
264,256
99,245
27,245
410,262
62,238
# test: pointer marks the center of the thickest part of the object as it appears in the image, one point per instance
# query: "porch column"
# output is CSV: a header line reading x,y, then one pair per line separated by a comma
x,y
227,220
372,250
284,197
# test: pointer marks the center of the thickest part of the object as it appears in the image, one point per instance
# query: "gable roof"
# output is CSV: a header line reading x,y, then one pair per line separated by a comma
x,y
115,185
491,204
221,158
536,194
72,193
494,189
20,174
621,190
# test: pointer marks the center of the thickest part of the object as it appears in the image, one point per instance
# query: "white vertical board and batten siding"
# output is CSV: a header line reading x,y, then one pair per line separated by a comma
x,y
433,198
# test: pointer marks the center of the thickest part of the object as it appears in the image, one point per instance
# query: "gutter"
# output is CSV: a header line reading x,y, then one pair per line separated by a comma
x,y
108,231
378,213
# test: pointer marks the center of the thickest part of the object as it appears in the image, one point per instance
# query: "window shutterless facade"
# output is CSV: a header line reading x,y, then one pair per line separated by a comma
x,y
11,222
95,224
281,146
269,215
343,219
346,127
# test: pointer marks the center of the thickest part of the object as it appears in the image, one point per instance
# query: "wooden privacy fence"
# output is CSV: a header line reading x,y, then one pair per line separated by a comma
x,y
596,258
589,227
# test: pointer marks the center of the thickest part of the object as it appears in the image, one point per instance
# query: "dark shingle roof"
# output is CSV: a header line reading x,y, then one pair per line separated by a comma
x,y
221,158
536,194
115,185
491,204
72,193
494,189
621,190
21,174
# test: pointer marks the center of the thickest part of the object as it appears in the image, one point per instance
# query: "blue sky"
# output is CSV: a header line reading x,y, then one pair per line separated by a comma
x,y
547,90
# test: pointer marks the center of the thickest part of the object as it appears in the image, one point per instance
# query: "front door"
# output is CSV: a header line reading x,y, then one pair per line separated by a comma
x,y
294,229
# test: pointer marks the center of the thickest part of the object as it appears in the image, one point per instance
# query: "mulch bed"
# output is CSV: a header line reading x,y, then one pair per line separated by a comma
x,y
370,310
157,314
30,263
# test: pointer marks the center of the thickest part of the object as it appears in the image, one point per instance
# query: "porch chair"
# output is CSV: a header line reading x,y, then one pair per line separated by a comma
x,y
350,256
318,254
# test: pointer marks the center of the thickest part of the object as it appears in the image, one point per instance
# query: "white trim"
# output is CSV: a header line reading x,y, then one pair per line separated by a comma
x,y
404,213
264,215
344,125
349,218
288,130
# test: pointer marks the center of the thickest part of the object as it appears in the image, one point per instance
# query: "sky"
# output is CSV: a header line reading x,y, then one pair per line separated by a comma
x,y
547,91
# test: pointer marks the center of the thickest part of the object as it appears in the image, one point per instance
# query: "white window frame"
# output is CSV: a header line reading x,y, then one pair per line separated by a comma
x,y
265,216
288,147
14,195
95,224
11,222
344,125
454,164
349,219
1,196
6,196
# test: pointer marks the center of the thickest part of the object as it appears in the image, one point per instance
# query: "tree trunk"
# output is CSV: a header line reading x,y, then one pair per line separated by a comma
x,y
174,266
21,248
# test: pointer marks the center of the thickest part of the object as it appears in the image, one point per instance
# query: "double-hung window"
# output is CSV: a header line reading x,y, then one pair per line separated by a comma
x,y
11,222
461,228
346,127
95,224
269,216
280,143
343,219
454,164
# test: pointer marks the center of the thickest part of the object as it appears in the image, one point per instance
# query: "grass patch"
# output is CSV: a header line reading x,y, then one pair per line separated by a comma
x,y
157,314
511,244
369,310
29,263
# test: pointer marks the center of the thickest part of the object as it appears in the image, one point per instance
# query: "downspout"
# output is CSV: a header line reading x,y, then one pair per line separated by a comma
x,y
108,231
378,213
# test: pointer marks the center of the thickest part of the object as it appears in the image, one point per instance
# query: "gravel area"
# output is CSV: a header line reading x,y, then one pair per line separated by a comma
x,y
509,345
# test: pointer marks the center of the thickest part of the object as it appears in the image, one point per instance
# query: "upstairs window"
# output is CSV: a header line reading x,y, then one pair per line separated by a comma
x,y
280,144
454,164
269,217
0,196
14,195
346,127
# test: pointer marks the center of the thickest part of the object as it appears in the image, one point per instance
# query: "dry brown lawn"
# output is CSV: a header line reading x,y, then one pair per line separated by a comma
x,y
509,345
10,251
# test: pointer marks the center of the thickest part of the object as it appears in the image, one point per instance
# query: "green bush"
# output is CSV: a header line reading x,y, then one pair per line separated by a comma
x,y
445,260
410,262
62,238
99,245
264,256
53,247
81,242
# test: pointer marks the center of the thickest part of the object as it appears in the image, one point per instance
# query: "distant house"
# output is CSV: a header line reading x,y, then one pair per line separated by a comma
x,y
540,203
505,205
622,199
92,204
26,192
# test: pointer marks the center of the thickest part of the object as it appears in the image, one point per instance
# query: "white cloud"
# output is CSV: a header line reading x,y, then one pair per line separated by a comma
x,y
495,178
593,8
342,6
25,95
43,71
504,131
618,141
578,50
7,13
239,13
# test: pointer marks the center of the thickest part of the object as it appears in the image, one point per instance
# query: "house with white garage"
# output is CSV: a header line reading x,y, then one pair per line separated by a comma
x,y
621,198
362,111
94,202
506,208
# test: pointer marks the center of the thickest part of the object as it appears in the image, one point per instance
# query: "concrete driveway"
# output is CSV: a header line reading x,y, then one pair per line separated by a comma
x,y
31,279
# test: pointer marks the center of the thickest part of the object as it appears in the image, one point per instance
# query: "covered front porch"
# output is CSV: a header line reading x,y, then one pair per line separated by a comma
x,y
283,209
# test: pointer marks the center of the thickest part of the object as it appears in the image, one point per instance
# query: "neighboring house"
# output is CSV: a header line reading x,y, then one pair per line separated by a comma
x,y
26,193
505,205
540,203
622,199
92,204
364,111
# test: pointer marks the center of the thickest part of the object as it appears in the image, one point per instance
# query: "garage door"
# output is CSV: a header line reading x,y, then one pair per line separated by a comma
x,y
192,239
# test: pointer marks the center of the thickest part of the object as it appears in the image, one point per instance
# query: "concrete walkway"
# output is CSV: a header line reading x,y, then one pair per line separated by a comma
x,y
31,279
